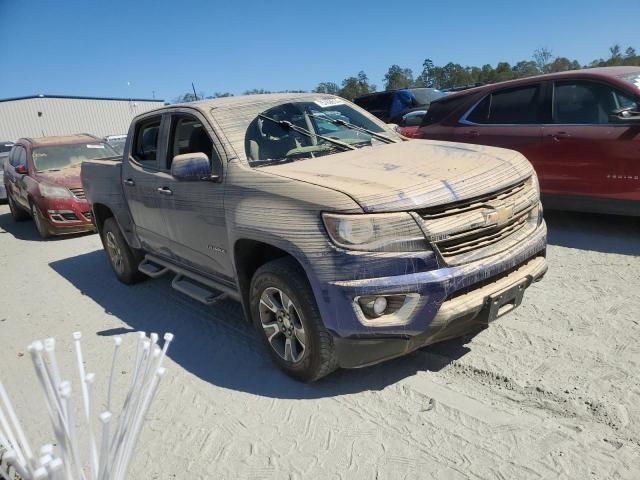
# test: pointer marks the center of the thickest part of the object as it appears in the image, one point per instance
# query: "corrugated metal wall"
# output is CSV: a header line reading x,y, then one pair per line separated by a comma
x,y
64,116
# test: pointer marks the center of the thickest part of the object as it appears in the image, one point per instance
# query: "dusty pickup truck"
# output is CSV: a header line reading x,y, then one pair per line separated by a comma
x,y
345,244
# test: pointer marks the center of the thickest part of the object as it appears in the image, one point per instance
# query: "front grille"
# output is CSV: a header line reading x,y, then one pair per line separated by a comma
x,y
70,217
78,193
88,215
470,230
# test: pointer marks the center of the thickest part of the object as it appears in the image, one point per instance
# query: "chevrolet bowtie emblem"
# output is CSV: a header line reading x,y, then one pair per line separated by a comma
x,y
499,216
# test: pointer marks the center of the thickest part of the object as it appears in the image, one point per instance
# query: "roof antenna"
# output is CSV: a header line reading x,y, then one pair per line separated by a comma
x,y
194,91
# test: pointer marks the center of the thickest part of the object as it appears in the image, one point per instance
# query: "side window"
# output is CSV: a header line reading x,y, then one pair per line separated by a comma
x,y
188,135
582,102
18,156
145,147
518,106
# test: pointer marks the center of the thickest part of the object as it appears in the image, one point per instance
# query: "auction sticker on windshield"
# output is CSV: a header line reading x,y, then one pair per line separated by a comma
x,y
328,102
93,145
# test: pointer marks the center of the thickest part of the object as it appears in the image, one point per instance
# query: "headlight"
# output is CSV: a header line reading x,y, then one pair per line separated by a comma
x,y
47,190
383,232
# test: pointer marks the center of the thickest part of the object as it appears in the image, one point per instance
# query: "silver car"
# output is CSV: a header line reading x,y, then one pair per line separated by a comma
x,y
5,148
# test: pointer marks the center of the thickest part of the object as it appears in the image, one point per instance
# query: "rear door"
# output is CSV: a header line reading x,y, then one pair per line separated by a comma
x,y
142,180
586,155
194,210
509,118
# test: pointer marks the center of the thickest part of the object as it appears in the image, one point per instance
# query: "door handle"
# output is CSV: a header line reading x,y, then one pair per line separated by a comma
x,y
165,191
129,182
559,135
473,133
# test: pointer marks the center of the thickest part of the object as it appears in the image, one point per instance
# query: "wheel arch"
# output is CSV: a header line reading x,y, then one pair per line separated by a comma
x,y
249,255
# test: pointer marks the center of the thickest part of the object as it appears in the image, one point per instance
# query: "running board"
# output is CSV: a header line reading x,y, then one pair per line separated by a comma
x,y
151,269
198,287
196,291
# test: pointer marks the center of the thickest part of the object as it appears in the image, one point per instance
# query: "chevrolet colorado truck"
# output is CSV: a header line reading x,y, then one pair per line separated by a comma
x,y
345,244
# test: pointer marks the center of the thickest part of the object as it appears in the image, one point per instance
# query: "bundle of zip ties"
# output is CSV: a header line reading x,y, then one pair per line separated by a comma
x,y
65,461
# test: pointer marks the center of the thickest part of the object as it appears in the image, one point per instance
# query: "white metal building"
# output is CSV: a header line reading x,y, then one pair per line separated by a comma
x,y
45,115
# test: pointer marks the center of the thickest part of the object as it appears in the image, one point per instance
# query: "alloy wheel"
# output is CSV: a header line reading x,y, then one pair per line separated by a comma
x,y
115,254
282,326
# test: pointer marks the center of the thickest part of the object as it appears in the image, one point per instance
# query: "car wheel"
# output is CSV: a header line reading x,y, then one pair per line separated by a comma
x,y
41,223
17,212
285,313
124,260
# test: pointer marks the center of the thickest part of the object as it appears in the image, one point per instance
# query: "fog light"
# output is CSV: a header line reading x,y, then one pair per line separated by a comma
x,y
379,305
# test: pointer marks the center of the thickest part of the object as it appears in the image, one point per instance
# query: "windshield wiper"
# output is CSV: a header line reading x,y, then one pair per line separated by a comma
x,y
337,121
271,161
286,125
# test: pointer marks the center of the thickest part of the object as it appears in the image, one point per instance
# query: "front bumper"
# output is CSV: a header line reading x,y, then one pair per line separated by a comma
x,y
67,216
452,300
457,316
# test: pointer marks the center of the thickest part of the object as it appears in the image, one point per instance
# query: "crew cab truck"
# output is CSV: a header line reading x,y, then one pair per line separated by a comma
x,y
345,244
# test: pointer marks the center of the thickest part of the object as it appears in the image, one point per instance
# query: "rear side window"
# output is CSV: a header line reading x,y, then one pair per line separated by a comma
x,y
513,106
147,135
440,109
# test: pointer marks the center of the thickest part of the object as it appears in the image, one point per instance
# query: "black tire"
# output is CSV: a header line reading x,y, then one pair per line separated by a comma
x,y
17,212
40,222
123,259
318,357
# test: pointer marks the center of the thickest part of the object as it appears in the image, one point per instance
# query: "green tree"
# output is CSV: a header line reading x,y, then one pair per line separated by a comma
x,y
353,87
327,87
425,79
525,68
398,77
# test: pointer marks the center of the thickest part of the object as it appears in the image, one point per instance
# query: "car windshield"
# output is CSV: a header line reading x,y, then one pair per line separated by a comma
x,y
632,78
5,146
57,157
271,131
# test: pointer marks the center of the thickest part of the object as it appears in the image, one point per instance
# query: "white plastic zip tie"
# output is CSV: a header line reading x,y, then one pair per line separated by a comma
x,y
64,461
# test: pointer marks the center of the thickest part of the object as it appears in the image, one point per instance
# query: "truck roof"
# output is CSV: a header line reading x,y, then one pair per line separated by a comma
x,y
241,100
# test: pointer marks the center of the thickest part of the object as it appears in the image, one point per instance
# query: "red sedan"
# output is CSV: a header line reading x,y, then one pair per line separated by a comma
x,y
579,129
42,179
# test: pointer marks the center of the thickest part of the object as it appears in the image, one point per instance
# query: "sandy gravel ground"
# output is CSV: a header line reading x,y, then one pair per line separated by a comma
x,y
550,391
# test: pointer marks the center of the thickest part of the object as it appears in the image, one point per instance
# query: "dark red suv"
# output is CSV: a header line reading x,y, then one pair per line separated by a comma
x,y
580,130
42,178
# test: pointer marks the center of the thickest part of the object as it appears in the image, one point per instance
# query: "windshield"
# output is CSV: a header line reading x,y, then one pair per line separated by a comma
x,y
632,78
117,144
307,129
57,157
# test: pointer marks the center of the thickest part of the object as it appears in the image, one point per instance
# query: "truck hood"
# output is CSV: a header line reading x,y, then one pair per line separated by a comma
x,y
411,175
67,177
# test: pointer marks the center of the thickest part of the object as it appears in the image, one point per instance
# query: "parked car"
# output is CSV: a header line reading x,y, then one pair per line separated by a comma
x,y
580,130
5,148
116,142
379,103
42,179
345,249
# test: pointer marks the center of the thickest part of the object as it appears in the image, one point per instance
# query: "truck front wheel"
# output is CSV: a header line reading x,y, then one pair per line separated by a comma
x,y
286,316
123,259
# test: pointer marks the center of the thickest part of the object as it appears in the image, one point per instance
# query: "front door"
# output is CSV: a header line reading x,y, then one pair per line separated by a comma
x,y
586,155
16,181
142,181
194,210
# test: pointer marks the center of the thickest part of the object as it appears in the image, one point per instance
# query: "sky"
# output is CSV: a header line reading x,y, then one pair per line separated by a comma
x,y
144,48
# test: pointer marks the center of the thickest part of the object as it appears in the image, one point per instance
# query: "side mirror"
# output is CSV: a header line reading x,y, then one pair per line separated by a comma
x,y
21,169
625,115
192,166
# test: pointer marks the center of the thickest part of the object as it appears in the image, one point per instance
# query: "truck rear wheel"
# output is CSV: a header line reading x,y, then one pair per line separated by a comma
x,y
124,260
286,315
